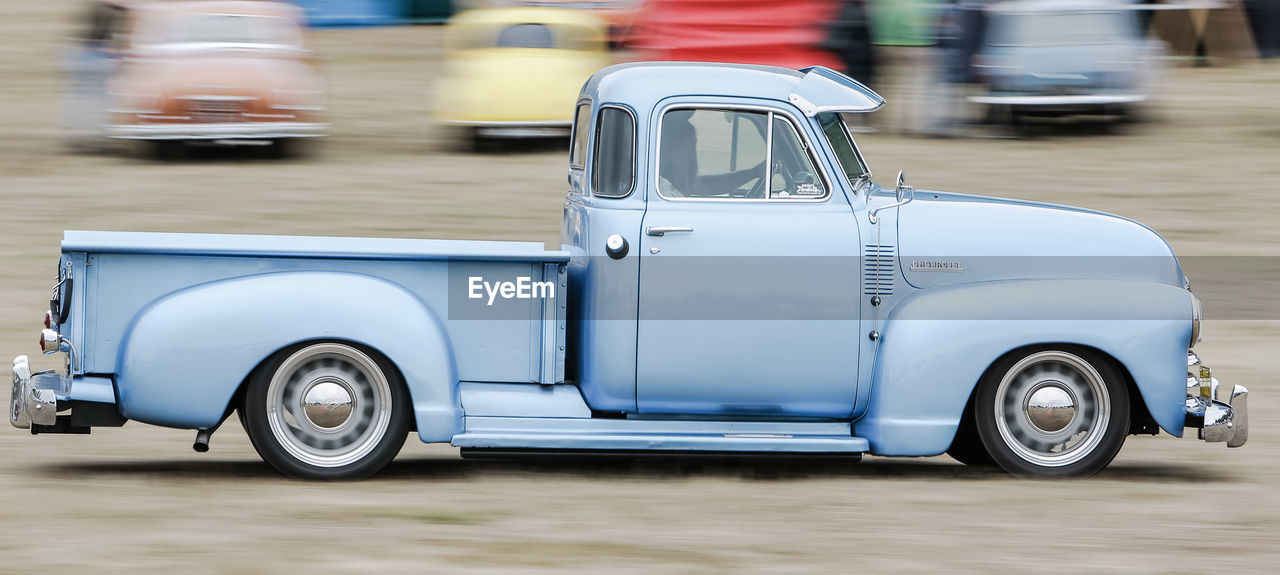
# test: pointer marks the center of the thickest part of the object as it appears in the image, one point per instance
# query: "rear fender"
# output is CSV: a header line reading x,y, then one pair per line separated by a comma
x,y
937,344
185,355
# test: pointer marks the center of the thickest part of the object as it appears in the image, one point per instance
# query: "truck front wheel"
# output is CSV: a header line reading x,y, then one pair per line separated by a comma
x,y
326,411
1058,411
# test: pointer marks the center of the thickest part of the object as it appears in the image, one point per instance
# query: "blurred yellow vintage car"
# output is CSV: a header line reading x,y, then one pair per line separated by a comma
x,y
515,72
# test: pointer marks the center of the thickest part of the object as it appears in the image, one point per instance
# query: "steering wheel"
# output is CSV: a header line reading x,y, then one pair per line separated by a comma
x,y
758,190
761,185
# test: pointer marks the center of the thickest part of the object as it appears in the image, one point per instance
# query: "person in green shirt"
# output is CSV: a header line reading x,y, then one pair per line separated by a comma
x,y
903,32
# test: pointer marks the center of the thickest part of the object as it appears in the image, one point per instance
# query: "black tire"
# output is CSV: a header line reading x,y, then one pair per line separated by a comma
x,y
481,144
307,436
288,149
1024,398
169,150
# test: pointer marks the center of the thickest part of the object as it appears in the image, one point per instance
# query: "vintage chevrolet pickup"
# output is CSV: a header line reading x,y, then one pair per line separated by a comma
x,y
731,280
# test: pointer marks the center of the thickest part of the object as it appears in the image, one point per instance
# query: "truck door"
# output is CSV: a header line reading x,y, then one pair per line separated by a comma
x,y
748,271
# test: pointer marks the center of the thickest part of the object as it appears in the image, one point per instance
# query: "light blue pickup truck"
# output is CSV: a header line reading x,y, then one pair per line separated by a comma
x,y
731,280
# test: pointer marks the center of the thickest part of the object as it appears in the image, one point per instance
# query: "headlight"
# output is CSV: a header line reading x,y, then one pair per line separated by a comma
x,y
1196,314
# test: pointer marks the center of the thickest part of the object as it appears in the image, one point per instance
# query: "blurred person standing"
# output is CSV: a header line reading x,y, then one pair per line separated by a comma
x,y
1264,22
90,62
849,38
902,30
959,32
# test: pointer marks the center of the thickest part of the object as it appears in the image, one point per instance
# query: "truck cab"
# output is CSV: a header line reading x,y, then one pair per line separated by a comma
x,y
738,263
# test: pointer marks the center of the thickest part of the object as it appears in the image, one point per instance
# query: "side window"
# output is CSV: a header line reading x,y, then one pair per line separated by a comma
x,y
793,174
613,169
837,134
578,147
712,154
734,154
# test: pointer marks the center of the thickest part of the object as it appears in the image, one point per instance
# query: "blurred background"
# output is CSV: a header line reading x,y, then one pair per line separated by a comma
x,y
178,74
432,118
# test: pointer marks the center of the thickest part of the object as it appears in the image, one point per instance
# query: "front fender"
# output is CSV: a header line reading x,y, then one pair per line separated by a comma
x,y
185,355
937,344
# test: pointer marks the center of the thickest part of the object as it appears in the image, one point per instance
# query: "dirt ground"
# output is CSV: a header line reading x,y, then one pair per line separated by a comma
x,y
138,499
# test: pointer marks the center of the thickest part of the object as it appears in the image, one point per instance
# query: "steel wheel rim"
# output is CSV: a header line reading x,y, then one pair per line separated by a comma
x,y
1030,430
329,367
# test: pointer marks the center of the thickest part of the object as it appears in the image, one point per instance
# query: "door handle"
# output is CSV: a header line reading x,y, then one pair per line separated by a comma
x,y
663,230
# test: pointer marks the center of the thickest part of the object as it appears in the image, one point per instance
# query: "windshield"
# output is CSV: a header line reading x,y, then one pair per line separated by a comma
x,y
221,29
1060,29
837,133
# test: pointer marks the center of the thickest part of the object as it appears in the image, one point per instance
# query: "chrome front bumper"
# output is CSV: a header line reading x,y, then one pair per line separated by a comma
x,y
515,129
227,131
1056,101
32,402
1220,416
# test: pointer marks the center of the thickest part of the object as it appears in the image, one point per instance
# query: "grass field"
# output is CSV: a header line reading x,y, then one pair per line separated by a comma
x,y
137,499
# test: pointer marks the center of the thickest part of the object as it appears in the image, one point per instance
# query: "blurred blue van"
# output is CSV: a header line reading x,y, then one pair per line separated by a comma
x,y
1061,57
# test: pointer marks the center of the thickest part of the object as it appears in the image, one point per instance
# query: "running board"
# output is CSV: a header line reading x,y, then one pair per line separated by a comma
x,y
657,435
577,454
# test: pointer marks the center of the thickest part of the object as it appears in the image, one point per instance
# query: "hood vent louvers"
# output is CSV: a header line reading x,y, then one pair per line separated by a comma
x,y
878,269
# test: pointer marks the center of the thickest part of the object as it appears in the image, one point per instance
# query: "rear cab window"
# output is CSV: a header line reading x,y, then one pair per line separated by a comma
x,y
525,36
613,168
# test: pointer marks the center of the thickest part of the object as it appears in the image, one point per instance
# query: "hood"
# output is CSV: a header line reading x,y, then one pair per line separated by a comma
x,y
948,239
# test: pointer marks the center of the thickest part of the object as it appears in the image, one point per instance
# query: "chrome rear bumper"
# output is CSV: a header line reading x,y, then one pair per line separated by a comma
x,y
1220,416
227,131
30,402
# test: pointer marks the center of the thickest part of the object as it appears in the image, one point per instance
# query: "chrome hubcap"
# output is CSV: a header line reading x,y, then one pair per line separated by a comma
x,y
329,405
1052,408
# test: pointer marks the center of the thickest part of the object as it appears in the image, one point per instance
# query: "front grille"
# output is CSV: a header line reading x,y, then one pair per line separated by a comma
x,y
215,110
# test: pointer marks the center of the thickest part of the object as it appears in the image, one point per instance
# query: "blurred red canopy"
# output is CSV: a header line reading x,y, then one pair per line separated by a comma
x,y
773,32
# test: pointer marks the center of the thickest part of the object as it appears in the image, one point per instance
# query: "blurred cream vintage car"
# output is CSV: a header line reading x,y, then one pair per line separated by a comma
x,y
226,71
516,72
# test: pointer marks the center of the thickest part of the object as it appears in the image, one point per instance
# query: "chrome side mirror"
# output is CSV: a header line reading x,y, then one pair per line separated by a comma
x,y
905,194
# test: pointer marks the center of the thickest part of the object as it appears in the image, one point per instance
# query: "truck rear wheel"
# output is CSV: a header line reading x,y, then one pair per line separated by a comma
x,y
326,411
1059,411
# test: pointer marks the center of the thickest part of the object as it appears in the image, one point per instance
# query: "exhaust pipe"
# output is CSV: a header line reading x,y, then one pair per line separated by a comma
x,y
202,440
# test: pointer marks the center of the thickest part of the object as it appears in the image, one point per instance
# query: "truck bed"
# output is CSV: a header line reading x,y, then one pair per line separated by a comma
x,y
122,278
